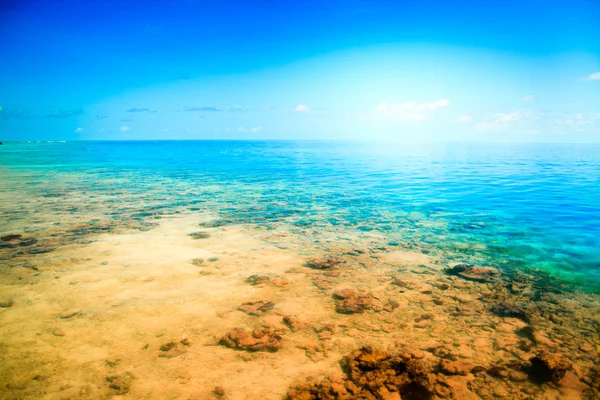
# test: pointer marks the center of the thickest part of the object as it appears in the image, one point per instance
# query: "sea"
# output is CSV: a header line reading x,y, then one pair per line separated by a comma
x,y
299,270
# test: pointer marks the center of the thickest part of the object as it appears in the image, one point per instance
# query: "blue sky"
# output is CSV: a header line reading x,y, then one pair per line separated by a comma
x,y
428,70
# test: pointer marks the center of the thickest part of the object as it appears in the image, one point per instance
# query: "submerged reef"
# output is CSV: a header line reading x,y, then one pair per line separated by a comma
x,y
264,339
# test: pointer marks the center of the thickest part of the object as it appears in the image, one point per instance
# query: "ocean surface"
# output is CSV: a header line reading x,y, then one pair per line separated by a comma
x,y
533,207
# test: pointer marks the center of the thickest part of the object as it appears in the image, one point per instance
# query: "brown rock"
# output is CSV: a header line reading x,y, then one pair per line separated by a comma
x,y
219,391
6,303
500,391
540,338
172,349
258,279
9,238
473,273
399,283
58,332
422,323
265,339
323,263
510,310
455,367
168,346
70,313
373,374
326,331
517,376
175,352
357,303
345,294
256,308
120,383
549,367
199,235
294,323
280,282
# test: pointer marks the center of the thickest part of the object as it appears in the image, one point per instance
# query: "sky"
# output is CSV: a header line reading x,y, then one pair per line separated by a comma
x,y
440,70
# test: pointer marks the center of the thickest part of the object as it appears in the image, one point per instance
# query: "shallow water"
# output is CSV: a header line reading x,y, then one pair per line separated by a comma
x,y
106,272
531,206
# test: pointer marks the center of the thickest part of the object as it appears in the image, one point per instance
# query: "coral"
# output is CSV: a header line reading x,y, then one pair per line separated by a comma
x,y
265,339
373,375
549,367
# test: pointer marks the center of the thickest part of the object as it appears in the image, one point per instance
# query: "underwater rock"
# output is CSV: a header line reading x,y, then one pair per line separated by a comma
x,y
10,238
168,346
197,261
391,305
449,367
540,338
175,352
316,351
173,349
399,283
373,374
473,273
58,332
70,313
257,279
199,235
265,339
549,367
351,301
323,263
120,383
294,323
345,293
441,285
256,308
17,240
280,282
517,376
6,303
215,223
219,391
509,310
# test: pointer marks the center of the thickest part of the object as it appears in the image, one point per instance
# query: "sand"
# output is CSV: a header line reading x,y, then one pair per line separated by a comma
x,y
131,315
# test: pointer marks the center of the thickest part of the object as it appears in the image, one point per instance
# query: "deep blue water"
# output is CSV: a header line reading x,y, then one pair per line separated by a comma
x,y
534,206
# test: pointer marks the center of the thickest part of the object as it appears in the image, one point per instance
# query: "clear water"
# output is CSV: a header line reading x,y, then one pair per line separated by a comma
x,y
522,206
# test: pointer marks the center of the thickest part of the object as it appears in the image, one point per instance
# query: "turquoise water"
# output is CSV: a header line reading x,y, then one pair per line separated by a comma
x,y
512,206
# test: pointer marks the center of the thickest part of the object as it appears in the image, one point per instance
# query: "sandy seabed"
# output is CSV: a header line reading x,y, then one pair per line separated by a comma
x,y
240,312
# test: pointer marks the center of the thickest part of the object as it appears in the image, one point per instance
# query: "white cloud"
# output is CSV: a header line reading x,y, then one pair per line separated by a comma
x,y
505,121
302,108
529,97
414,111
253,130
593,77
510,117
78,130
464,118
124,128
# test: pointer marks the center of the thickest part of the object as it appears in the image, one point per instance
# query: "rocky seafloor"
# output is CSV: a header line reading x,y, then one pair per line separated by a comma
x,y
208,309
